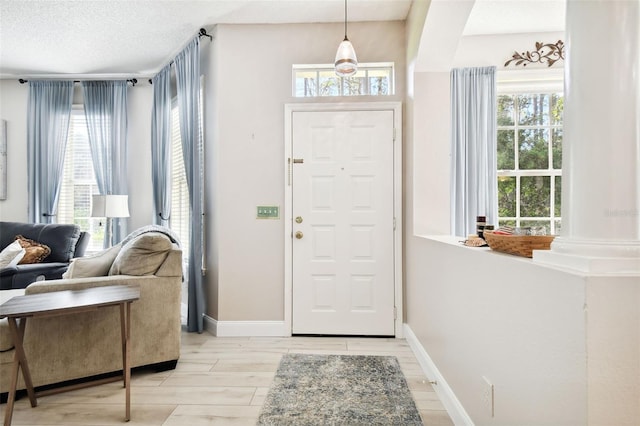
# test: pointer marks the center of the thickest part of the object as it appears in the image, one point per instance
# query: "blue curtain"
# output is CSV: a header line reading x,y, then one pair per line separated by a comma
x,y
474,184
161,146
48,114
187,65
105,107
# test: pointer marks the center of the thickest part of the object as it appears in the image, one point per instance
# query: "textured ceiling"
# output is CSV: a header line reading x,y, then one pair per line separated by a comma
x,y
43,37
136,37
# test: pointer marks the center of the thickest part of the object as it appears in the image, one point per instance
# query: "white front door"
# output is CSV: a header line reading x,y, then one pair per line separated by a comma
x,y
343,222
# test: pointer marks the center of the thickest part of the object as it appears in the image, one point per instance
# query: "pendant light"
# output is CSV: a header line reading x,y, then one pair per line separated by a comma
x,y
346,62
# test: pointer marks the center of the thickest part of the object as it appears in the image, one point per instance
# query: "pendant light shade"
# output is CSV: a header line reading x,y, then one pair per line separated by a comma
x,y
346,62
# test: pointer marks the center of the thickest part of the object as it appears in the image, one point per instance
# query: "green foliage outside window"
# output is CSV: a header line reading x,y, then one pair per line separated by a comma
x,y
529,159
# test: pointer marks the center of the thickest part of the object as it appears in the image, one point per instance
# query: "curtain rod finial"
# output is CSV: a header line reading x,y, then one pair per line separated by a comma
x,y
203,33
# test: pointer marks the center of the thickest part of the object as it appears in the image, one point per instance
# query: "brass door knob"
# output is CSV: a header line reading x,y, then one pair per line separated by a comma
x,y
299,235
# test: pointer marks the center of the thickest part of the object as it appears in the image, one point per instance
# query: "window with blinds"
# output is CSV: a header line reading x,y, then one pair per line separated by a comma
x,y
179,219
79,182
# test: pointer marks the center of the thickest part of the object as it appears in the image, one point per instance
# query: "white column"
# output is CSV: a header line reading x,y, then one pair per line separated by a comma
x,y
601,147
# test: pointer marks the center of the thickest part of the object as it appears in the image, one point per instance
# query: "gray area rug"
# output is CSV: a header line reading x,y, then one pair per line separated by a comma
x,y
339,390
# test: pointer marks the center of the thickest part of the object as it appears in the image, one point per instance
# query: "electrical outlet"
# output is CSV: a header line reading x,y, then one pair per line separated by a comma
x,y
488,396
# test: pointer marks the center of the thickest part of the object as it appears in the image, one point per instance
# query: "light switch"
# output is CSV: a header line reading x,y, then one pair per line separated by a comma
x,y
268,212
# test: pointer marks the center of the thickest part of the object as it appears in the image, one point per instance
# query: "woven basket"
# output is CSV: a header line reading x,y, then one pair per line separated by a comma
x,y
520,245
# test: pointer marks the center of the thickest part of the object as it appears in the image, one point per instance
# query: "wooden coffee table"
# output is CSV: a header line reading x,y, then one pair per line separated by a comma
x,y
64,303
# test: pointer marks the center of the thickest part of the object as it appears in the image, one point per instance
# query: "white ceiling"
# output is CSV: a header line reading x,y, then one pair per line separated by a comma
x,y
136,37
515,16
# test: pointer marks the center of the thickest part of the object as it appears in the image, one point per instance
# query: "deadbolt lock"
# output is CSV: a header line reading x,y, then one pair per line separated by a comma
x,y
299,235
299,219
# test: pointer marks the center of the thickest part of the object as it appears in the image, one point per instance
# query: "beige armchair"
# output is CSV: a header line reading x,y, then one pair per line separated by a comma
x,y
67,348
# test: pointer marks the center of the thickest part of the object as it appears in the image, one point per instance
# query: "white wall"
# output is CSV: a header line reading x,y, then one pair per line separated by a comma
x,y
559,347
612,312
478,313
13,109
488,50
251,69
431,154
140,99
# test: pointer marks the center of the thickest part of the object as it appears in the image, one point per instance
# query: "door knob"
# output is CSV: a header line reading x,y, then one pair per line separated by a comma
x,y
299,219
299,235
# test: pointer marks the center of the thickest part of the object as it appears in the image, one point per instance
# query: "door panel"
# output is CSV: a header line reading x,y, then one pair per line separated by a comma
x,y
343,264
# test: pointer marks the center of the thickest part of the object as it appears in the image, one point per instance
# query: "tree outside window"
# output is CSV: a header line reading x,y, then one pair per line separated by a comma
x,y
529,160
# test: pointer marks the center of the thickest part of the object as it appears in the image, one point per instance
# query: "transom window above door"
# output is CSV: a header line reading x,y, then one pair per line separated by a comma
x,y
320,80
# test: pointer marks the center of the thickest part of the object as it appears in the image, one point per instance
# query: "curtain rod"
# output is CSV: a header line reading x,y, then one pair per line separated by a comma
x,y
201,33
133,81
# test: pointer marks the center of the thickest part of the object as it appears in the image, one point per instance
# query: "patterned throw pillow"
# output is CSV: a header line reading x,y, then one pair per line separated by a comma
x,y
35,252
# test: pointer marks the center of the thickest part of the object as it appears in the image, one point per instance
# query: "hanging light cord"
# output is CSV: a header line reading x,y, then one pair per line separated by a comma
x,y
345,20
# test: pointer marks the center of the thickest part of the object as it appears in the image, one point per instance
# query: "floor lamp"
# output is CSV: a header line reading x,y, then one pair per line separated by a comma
x,y
109,207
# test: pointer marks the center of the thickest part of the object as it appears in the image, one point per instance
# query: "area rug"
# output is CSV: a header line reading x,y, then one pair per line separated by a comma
x,y
339,390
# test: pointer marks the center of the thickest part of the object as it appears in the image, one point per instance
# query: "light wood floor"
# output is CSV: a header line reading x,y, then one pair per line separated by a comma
x,y
218,381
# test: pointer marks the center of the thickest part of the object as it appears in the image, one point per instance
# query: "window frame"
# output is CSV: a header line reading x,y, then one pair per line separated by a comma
x,y
549,84
366,67
66,199
177,139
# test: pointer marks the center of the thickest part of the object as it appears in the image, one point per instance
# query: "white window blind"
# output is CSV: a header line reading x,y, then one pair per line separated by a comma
x,y
179,219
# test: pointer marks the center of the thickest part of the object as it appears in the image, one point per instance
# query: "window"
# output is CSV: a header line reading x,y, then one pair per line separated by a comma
x,y
179,218
530,159
374,79
79,182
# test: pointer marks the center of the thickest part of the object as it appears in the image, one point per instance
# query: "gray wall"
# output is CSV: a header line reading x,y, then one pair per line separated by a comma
x,y
248,80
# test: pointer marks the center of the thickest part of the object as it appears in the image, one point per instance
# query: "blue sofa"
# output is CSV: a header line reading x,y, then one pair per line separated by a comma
x,y
66,241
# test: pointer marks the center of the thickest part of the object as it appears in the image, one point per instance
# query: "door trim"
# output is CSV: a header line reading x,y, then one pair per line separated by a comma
x,y
289,109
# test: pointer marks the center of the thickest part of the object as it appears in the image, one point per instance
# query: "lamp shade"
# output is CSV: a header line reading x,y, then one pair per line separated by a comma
x,y
346,62
110,206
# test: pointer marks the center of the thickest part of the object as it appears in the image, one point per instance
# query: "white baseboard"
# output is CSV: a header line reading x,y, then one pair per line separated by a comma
x,y
453,406
245,328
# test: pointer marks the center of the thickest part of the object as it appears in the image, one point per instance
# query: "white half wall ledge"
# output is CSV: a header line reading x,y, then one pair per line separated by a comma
x,y
245,328
592,257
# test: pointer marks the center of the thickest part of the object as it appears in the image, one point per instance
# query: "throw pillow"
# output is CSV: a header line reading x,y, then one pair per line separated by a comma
x,y
96,265
11,255
35,251
142,256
